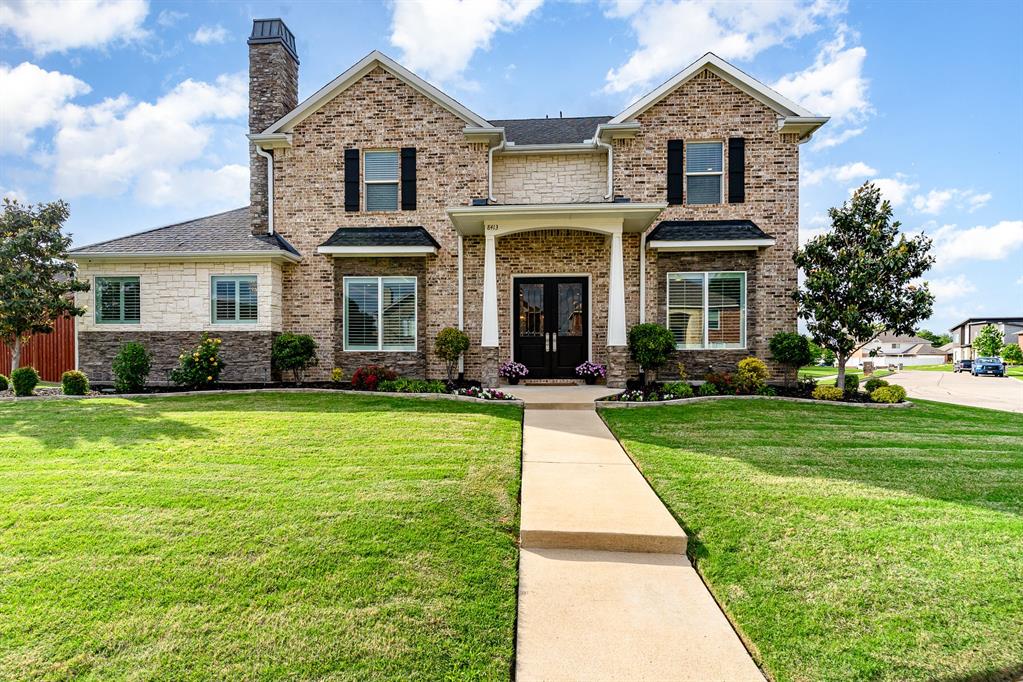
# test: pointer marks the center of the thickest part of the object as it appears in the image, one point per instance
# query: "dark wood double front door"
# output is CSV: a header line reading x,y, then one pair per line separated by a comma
x,y
551,325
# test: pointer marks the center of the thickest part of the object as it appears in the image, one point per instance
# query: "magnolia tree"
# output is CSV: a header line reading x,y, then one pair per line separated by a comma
x,y
36,279
859,278
988,341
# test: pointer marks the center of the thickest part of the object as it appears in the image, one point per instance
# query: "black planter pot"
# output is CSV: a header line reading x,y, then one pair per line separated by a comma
x,y
514,381
591,380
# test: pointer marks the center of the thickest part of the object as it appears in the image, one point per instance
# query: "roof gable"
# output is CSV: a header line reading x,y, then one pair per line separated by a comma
x,y
371,61
785,107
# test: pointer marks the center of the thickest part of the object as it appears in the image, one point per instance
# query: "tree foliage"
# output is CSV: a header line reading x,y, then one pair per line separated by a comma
x,y
1012,354
295,353
859,277
36,277
651,345
937,340
450,345
790,350
988,342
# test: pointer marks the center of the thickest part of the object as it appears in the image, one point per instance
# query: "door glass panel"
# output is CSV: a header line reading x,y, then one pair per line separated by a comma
x,y
570,309
530,310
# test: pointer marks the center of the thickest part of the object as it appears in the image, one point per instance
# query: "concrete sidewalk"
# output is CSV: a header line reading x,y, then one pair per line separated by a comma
x,y
605,589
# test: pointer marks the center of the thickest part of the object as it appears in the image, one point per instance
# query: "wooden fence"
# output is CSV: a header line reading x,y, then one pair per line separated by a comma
x,y
51,354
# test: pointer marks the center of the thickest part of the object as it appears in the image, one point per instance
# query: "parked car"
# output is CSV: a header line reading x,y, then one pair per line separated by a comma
x,y
988,366
962,366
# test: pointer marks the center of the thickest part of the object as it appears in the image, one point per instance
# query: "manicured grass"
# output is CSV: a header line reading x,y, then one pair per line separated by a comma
x,y
849,543
816,372
258,536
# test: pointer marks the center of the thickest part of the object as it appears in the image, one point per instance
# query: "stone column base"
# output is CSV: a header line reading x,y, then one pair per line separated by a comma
x,y
490,364
617,366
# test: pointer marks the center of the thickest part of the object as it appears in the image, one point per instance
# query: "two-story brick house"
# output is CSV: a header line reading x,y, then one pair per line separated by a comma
x,y
382,211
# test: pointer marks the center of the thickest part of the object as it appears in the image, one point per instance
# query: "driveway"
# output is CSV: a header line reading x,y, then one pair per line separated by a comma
x,y
962,389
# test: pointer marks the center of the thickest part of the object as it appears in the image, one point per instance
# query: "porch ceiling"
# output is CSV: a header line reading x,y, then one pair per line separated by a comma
x,y
470,220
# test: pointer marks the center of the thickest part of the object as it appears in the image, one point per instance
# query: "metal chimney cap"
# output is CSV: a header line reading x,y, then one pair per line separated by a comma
x,y
273,31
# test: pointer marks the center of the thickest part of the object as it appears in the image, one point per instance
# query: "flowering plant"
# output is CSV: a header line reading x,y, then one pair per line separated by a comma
x,y
366,378
513,370
484,393
591,369
201,367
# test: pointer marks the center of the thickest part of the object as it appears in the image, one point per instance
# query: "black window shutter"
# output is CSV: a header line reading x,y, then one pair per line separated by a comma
x,y
675,172
408,178
351,179
736,170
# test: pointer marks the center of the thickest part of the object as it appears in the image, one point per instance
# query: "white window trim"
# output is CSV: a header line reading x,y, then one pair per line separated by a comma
x,y
213,311
380,312
706,306
366,181
720,174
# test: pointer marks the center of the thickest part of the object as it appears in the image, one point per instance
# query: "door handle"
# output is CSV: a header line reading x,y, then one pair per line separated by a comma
x,y
555,335
547,343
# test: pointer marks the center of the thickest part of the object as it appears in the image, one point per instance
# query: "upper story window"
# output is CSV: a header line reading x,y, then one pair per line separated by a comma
x,y
233,299
381,177
118,300
704,172
707,309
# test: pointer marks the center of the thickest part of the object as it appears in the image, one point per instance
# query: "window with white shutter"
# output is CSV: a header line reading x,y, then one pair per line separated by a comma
x,y
118,300
707,309
704,168
234,299
381,173
380,313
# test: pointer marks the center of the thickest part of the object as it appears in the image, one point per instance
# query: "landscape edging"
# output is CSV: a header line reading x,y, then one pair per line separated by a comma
x,y
612,404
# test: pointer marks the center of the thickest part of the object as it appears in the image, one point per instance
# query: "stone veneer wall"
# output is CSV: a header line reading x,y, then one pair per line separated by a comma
x,y
407,364
378,111
550,178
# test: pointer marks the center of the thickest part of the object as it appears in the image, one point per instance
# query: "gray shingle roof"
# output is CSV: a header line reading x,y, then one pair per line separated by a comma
x,y
227,231
550,130
381,236
706,230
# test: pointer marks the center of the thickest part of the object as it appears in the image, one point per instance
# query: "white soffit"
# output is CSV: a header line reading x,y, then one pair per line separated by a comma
x,y
709,245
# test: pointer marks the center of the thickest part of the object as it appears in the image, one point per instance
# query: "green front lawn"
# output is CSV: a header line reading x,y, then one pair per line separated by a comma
x,y
299,536
816,371
848,543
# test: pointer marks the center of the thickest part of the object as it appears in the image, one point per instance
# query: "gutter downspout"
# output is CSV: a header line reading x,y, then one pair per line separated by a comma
x,y
461,295
269,188
490,169
642,278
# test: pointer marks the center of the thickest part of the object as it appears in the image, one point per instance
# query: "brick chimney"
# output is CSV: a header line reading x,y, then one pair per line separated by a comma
x,y
273,92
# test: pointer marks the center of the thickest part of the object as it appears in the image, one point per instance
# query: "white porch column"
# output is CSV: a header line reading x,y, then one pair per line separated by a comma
x,y
490,336
616,294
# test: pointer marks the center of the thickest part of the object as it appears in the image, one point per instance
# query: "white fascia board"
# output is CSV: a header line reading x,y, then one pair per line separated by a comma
x,y
267,141
491,135
710,245
469,220
561,148
357,71
617,131
381,251
165,256
804,126
736,77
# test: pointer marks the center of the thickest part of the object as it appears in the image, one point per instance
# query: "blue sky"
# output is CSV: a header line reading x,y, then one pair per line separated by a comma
x,y
135,112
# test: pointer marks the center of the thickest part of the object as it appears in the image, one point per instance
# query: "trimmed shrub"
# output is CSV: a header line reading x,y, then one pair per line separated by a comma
x,y
888,394
201,368
74,382
723,381
791,350
367,378
806,385
707,388
852,384
872,385
767,391
751,376
675,390
131,367
828,393
651,345
293,353
4,383
412,386
24,380
450,345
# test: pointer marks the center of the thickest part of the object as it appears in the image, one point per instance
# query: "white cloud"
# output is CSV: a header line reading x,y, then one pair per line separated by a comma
x,y
208,35
989,243
169,17
845,173
937,199
825,138
119,145
951,288
32,98
228,185
671,34
14,194
439,37
896,190
46,26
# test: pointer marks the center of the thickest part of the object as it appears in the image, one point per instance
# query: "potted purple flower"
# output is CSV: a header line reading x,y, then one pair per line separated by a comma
x,y
591,371
513,371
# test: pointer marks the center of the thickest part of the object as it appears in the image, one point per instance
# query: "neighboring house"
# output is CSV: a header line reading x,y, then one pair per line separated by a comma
x,y
390,211
966,331
889,349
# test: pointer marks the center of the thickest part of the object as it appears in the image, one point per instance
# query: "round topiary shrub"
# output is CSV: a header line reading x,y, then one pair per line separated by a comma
x,y
74,382
751,376
790,350
201,367
4,383
871,385
24,380
131,367
828,393
888,394
450,345
651,345
295,353
852,384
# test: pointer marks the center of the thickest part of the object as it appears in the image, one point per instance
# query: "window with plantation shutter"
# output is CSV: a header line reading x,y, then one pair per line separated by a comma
x,y
707,309
380,313
381,176
118,300
234,299
704,166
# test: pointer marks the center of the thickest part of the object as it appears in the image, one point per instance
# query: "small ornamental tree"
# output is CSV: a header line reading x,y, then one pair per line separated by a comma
x,y
791,351
651,345
1012,354
859,278
295,353
988,341
36,277
450,345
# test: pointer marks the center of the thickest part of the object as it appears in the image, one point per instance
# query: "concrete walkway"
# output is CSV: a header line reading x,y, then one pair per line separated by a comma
x,y
605,589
